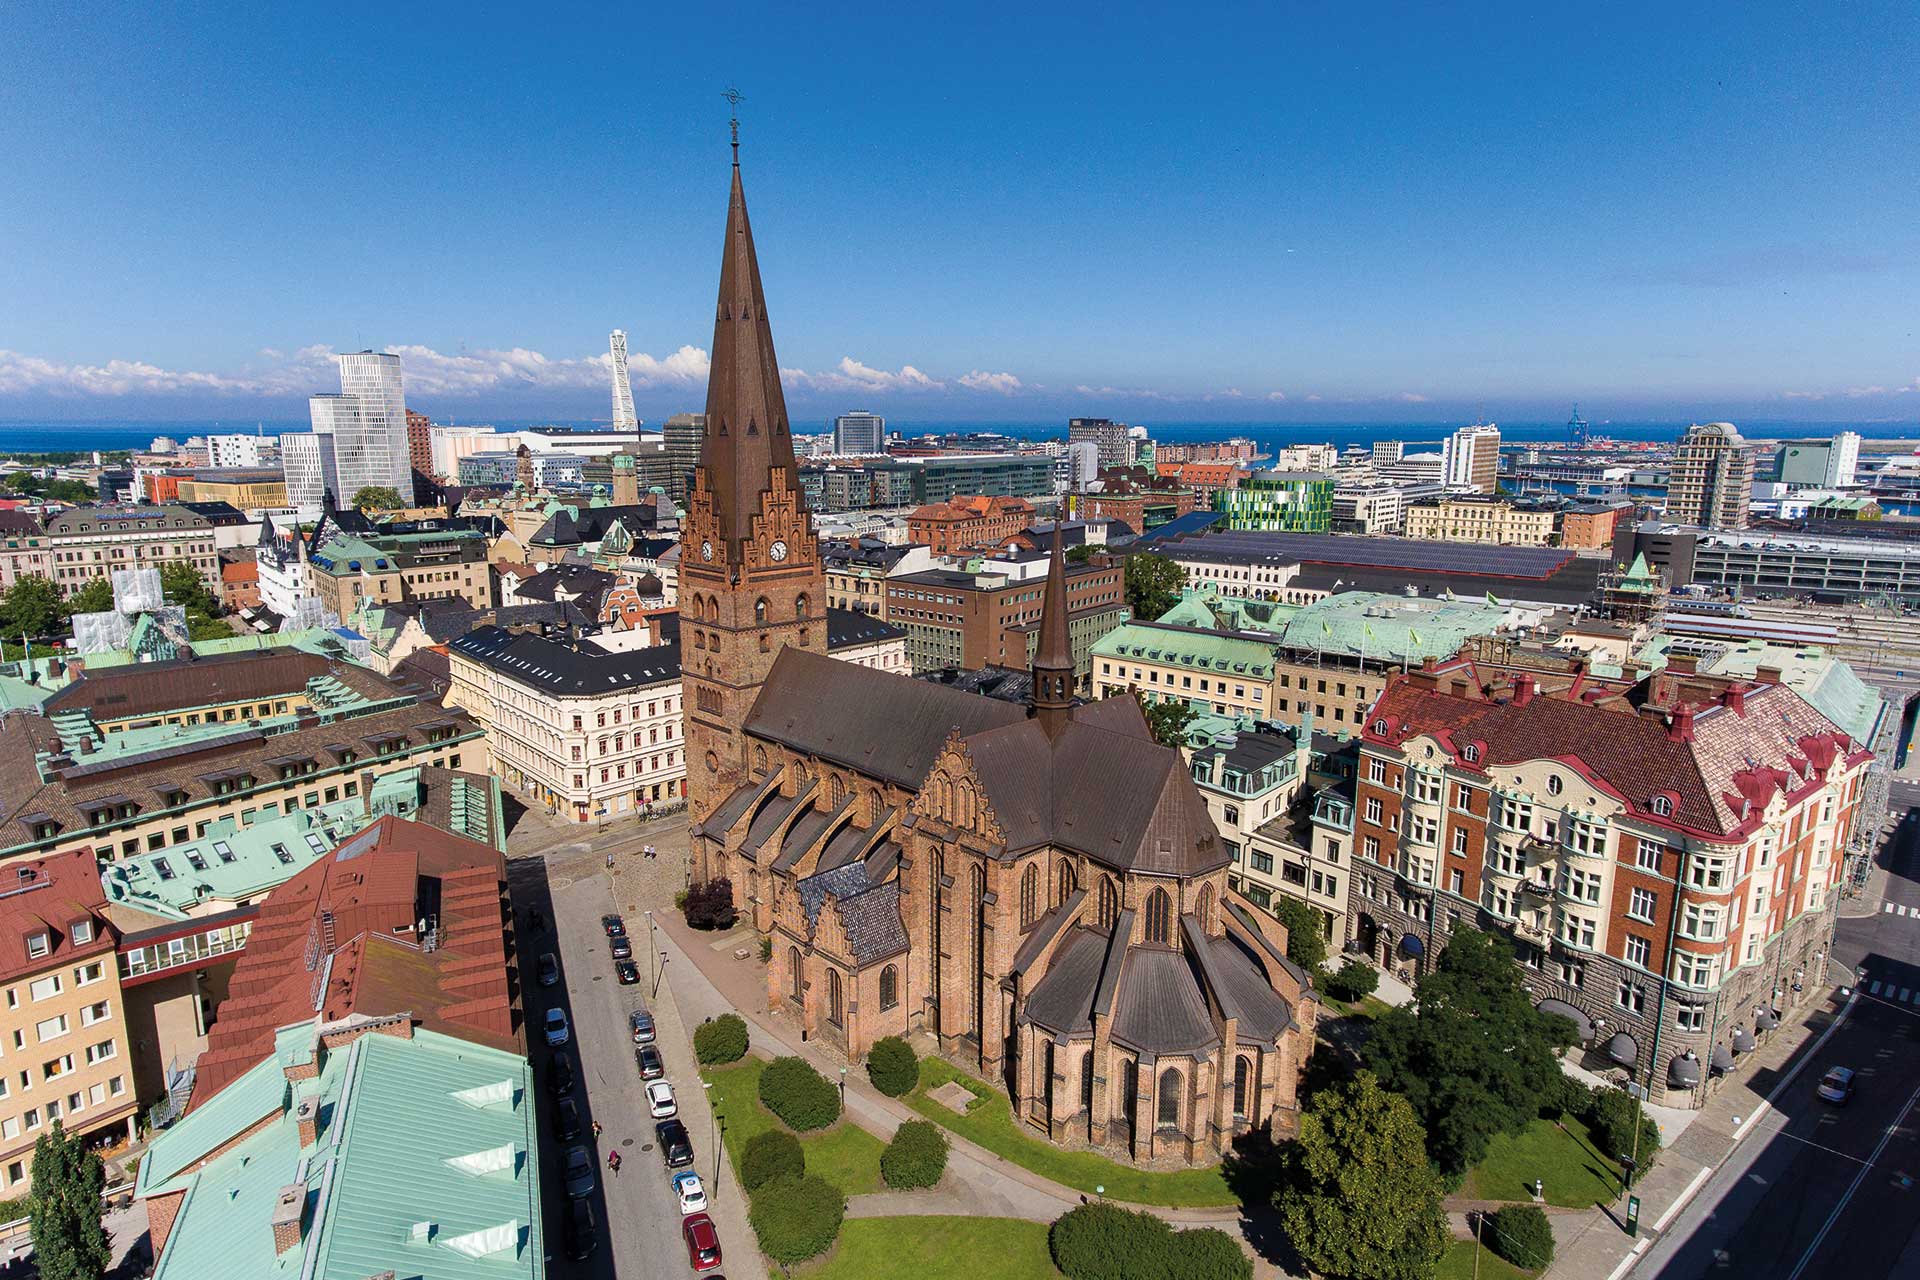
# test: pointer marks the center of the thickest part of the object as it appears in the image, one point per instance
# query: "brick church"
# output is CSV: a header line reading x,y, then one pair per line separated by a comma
x,y
1037,886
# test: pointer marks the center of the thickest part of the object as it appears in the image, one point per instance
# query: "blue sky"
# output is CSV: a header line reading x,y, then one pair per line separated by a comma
x,y
1276,213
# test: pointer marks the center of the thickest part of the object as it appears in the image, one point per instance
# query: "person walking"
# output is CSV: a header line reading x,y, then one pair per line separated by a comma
x,y
613,1162
596,1131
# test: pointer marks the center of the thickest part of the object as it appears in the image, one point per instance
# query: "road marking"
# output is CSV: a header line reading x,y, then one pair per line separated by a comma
x,y
1854,1186
1888,908
1904,993
1874,990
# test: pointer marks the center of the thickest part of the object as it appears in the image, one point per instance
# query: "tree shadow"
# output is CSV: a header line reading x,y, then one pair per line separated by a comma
x,y
1253,1168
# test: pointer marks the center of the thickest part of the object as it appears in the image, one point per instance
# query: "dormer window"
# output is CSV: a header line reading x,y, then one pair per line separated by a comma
x,y
1660,807
82,932
1470,753
39,944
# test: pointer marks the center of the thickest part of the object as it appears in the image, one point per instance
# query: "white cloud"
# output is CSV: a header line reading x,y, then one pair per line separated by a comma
x,y
979,380
1277,395
21,373
852,375
1409,397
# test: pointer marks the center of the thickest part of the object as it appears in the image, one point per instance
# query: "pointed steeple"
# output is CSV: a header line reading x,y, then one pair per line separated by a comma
x,y
747,434
1053,659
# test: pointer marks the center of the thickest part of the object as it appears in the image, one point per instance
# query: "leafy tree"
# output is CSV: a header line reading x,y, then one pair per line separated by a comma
x,y
95,597
724,1039
710,905
1473,1057
378,497
1611,1116
1354,980
799,1095
22,482
1167,720
797,1218
74,491
1080,554
916,1157
1152,584
1103,1241
1358,1199
183,585
893,1066
1306,941
1208,1253
769,1157
1521,1234
33,605
68,1241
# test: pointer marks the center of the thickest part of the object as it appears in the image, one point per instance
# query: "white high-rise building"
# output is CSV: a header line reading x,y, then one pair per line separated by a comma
x,y
1843,460
239,451
858,433
624,418
1470,458
363,429
303,461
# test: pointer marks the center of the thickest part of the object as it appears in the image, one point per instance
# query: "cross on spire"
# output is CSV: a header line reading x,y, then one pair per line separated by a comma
x,y
734,98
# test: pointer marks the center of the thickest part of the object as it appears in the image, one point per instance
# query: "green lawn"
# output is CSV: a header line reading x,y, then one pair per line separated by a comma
x,y
1458,1264
1368,1007
938,1248
1576,1175
844,1154
989,1122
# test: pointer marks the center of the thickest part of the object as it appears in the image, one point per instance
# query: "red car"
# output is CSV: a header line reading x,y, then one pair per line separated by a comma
x,y
703,1242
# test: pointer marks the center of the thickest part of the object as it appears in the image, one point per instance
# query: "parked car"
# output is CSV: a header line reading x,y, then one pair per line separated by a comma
x,y
566,1120
558,1031
560,1075
578,1172
1837,1085
549,969
621,947
652,1067
660,1101
676,1148
627,971
692,1196
642,1023
613,925
703,1242
583,1233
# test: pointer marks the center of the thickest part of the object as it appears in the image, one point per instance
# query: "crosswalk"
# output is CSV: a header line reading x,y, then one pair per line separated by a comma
x,y
1888,991
1900,909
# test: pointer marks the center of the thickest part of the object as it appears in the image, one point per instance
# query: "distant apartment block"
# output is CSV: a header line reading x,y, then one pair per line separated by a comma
x,y
1710,481
1470,458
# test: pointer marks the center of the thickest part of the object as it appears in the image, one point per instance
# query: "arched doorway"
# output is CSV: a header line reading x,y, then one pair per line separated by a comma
x,y
1366,934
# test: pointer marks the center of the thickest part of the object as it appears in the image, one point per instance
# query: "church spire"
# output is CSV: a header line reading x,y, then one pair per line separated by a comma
x,y
746,435
1053,659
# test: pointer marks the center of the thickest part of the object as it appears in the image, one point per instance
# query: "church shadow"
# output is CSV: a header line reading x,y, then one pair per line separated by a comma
x,y
1253,1169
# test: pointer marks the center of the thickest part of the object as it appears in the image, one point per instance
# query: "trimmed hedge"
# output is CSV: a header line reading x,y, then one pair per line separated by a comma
x,y
799,1095
1354,980
1521,1234
769,1157
797,1218
1102,1241
916,1157
722,1040
893,1066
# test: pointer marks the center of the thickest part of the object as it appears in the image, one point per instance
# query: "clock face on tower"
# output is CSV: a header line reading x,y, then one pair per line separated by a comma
x,y
778,551
706,551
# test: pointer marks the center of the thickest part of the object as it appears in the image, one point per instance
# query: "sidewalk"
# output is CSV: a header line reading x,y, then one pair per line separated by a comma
x,y
1600,1248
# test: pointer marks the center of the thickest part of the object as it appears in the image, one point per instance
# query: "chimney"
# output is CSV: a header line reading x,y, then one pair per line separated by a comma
x,y
1684,664
1735,697
307,1117
1523,689
1766,675
289,1208
1680,727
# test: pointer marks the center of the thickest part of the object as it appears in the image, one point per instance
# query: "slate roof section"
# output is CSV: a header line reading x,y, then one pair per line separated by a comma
x,y
563,670
848,627
801,835
870,912
1159,1009
1062,1001
1264,1012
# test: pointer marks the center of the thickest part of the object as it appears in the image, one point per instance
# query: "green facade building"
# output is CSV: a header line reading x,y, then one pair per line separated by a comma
x,y
1289,501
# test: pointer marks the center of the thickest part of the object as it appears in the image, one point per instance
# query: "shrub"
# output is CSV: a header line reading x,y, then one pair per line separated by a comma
x,y
1306,941
892,1066
1207,1253
1354,980
769,1157
710,905
1612,1116
797,1218
916,1157
766,950
1105,1242
1521,1234
1565,1097
722,1040
799,1095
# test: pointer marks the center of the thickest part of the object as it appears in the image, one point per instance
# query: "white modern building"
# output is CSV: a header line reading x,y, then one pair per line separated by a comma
x,y
305,464
1470,458
450,444
240,451
624,418
364,427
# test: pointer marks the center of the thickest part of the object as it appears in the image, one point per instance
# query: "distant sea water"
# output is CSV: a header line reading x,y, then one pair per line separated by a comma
x,y
29,436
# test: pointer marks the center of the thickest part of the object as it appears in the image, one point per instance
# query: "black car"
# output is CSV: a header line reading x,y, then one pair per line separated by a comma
x,y
621,947
649,1061
675,1147
577,1171
560,1075
566,1120
627,971
614,925
549,967
583,1233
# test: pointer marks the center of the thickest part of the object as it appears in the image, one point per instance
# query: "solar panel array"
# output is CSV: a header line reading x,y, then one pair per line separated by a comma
x,y
1378,553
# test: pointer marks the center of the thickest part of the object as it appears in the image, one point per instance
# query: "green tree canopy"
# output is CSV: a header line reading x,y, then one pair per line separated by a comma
x,y
1473,1057
33,605
1357,1198
68,1241
1080,554
1168,720
1306,941
184,586
95,597
1152,584
378,497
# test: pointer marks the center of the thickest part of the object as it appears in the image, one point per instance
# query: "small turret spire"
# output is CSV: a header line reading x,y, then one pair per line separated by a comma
x,y
1053,658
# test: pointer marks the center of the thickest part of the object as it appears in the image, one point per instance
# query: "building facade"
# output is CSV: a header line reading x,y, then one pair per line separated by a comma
x,y
84,543
1106,435
1710,481
1470,458
448,564
1297,500
859,433
962,524
1477,518
954,618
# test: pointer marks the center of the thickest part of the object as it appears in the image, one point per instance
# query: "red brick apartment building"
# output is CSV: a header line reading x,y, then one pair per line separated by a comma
x,y
1665,856
948,528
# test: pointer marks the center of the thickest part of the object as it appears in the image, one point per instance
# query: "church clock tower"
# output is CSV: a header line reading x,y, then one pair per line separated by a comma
x,y
750,573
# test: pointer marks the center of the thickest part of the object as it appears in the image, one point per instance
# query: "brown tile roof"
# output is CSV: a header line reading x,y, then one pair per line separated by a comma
x,y
337,940
150,688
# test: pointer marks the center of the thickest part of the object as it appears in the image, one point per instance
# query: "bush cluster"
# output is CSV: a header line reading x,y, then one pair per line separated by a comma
x,y
797,1218
710,905
769,1157
1354,980
916,1157
1565,1097
893,1066
799,1095
1521,1234
1105,1242
1611,1117
724,1039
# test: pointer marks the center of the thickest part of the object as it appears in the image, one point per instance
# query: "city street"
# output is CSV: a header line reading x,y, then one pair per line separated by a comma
x,y
1828,1192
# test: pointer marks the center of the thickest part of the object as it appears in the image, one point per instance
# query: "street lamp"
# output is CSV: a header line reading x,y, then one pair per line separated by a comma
x,y
650,946
843,1088
713,1132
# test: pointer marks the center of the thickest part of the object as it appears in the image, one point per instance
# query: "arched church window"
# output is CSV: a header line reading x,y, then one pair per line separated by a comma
x,y
759,759
713,609
1242,1086
1159,917
801,605
1169,1116
1204,908
834,1014
1029,896
1062,881
1109,902
836,792
889,988
760,611
793,970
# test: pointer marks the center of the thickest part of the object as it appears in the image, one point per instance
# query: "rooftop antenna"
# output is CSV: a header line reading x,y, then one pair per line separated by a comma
x,y
734,98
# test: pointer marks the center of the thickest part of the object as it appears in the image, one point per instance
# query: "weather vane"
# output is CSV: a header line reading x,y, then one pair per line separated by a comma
x,y
734,98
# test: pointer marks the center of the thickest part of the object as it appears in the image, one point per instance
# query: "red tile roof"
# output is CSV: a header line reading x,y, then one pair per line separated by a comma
x,y
50,895
340,939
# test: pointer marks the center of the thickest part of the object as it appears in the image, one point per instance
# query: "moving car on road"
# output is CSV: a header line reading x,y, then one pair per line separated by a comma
x,y
578,1171
687,1189
1837,1085
660,1100
676,1149
703,1242
558,1031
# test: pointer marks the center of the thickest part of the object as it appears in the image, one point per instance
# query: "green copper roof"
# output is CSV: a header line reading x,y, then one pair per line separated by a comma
x,y
1389,627
1640,576
426,1164
1208,607
1190,648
